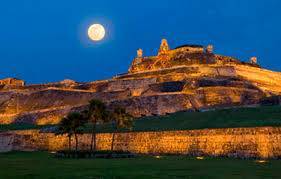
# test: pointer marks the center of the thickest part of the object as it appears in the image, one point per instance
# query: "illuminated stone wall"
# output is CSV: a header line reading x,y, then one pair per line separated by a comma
x,y
261,142
12,82
147,93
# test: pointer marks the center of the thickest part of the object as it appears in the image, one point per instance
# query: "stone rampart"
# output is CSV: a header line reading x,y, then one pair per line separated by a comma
x,y
263,142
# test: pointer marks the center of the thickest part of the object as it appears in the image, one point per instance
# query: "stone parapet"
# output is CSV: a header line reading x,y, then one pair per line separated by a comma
x,y
262,142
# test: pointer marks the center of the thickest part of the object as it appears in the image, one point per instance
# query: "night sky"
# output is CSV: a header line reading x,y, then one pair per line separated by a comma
x,y
46,40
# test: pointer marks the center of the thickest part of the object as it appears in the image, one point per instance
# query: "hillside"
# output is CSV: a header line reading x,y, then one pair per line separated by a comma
x,y
186,78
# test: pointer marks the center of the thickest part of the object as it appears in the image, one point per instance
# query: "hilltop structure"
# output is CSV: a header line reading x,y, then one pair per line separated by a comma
x,y
182,56
11,82
189,77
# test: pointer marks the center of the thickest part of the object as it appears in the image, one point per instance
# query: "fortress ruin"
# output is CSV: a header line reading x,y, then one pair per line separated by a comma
x,y
184,55
188,77
12,82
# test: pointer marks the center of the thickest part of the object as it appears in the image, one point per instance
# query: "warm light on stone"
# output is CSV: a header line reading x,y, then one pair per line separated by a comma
x,y
139,53
247,142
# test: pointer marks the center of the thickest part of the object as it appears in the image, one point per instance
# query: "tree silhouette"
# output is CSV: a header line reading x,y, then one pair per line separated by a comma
x,y
64,127
96,113
120,119
71,125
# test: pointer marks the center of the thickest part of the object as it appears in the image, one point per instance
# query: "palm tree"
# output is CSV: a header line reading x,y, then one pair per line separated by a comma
x,y
78,122
120,119
64,127
96,113
72,124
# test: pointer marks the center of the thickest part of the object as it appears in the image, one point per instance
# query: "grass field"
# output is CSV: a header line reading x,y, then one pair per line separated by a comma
x,y
223,118
5,127
43,165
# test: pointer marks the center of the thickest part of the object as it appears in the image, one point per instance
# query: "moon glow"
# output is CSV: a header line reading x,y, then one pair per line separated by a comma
x,y
96,32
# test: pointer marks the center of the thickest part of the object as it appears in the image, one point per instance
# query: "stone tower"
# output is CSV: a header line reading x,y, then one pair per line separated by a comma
x,y
139,53
253,60
210,49
164,48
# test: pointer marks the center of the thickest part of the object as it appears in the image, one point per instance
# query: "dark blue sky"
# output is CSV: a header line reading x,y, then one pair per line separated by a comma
x,y
45,40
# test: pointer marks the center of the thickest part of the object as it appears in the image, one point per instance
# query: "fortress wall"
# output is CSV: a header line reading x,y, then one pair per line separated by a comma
x,y
187,50
48,99
117,85
222,96
265,79
145,102
216,70
261,142
155,104
194,70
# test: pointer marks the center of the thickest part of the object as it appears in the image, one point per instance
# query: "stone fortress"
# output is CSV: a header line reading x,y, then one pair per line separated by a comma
x,y
189,77
182,56
11,82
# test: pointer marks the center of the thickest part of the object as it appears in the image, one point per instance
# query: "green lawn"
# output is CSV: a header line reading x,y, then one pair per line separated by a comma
x,y
43,165
6,127
222,118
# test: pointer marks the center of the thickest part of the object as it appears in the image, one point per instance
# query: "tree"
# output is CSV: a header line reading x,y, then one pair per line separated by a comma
x,y
64,127
96,113
78,122
120,119
72,124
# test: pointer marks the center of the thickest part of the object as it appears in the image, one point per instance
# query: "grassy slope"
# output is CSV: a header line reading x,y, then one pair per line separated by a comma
x,y
19,127
224,118
42,165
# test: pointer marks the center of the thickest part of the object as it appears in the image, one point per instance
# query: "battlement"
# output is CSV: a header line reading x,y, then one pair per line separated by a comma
x,y
190,48
183,55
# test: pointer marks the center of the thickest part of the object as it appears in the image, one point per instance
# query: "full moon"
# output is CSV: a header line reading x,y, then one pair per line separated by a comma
x,y
96,32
